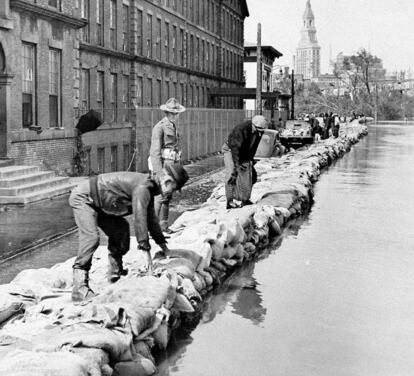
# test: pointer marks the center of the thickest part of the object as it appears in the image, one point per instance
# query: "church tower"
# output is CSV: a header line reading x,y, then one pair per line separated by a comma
x,y
308,52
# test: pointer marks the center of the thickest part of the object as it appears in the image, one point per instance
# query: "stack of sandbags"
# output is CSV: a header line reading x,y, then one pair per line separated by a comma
x,y
115,332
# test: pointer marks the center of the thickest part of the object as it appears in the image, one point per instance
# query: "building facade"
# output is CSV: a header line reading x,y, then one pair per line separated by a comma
x,y
308,58
60,58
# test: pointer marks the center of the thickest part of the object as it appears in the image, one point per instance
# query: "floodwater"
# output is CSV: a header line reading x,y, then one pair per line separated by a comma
x,y
335,295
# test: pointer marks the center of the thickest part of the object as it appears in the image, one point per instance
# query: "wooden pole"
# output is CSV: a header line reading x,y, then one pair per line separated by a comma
x,y
292,112
259,71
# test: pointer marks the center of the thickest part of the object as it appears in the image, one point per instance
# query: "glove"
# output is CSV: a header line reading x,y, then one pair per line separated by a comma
x,y
144,245
233,179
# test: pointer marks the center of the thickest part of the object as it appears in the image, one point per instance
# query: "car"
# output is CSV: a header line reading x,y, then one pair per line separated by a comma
x,y
296,134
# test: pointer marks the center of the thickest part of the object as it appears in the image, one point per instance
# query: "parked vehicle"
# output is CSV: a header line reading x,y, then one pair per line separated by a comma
x,y
296,134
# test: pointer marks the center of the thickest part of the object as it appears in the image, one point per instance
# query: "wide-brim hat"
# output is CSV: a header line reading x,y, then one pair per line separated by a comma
x,y
173,106
178,173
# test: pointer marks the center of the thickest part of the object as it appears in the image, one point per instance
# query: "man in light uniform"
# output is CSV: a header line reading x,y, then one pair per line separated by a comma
x,y
165,150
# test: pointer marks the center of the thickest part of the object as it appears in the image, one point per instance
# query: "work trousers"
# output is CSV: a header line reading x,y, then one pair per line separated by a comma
x,y
244,182
88,219
162,203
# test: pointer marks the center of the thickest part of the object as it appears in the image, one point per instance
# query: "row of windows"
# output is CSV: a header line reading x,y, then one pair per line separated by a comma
x,y
160,40
29,82
114,163
111,93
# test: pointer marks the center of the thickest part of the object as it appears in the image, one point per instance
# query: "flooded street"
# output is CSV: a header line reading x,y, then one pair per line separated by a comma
x,y
334,296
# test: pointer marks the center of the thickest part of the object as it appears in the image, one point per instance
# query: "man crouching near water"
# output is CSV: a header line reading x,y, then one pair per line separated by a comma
x,y
103,201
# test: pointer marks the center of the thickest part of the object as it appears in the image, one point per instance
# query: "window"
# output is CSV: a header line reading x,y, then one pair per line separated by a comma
x,y
125,27
125,97
54,4
174,44
112,24
167,41
202,56
158,93
29,82
207,62
158,39
99,22
126,156
190,55
149,36
84,5
54,87
85,91
149,92
140,92
182,94
114,158
101,160
113,87
197,54
181,47
139,32
100,90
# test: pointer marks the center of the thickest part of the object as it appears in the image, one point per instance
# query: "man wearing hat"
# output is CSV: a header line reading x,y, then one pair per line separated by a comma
x,y
239,151
165,150
103,201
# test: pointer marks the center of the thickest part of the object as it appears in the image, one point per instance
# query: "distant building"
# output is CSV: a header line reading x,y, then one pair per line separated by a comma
x,y
60,58
308,51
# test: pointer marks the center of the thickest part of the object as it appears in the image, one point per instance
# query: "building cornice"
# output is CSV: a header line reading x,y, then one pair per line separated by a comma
x,y
49,14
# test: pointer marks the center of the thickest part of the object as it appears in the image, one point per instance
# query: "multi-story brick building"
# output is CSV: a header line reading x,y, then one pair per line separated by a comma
x,y
59,59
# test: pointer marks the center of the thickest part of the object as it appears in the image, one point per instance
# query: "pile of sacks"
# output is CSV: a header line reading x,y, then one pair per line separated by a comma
x,y
43,332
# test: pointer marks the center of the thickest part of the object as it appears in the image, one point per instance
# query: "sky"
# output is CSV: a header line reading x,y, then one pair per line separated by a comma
x,y
383,27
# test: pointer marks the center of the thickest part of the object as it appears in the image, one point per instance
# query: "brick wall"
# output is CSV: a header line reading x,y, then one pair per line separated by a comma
x,y
51,154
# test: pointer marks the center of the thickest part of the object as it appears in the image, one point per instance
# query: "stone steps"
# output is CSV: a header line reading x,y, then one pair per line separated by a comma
x,y
21,185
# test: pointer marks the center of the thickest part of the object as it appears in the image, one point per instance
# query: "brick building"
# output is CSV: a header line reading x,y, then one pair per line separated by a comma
x,y
58,59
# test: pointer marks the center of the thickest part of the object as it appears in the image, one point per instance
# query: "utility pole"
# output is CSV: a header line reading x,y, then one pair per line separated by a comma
x,y
259,71
292,93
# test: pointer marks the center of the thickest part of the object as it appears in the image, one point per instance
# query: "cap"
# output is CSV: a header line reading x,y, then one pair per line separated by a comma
x,y
173,106
259,121
178,173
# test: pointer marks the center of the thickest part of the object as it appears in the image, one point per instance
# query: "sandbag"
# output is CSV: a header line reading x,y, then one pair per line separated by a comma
x,y
138,367
117,343
97,360
28,363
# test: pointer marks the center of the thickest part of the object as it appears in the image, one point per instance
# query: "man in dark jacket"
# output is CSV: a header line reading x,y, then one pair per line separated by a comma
x,y
239,151
103,201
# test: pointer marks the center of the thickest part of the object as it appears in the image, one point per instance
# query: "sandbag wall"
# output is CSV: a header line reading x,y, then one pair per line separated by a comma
x,y
43,332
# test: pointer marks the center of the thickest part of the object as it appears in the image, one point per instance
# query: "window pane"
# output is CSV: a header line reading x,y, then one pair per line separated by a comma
x,y
53,111
27,110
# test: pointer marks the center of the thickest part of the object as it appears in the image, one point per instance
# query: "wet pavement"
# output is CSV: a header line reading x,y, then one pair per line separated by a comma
x,y
43,234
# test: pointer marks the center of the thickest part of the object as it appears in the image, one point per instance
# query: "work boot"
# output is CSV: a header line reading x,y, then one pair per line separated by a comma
x,y
115,269
81,290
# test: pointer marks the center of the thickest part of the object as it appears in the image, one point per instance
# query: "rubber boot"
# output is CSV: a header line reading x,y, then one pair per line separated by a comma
x,y
115,268
81,290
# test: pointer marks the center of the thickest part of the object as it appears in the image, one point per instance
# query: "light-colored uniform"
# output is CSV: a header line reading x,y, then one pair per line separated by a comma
x,y
165,150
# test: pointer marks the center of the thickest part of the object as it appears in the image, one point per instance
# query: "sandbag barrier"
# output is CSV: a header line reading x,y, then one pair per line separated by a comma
x,y
43,332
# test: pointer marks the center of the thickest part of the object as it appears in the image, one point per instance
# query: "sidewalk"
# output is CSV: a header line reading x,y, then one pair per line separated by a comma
x,y
23,228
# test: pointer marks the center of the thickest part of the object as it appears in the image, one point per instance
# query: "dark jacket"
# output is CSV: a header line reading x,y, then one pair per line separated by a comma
x,y
125,193
243,142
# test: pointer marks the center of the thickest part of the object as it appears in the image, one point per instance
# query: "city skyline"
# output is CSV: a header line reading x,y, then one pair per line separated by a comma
x,y
342,26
